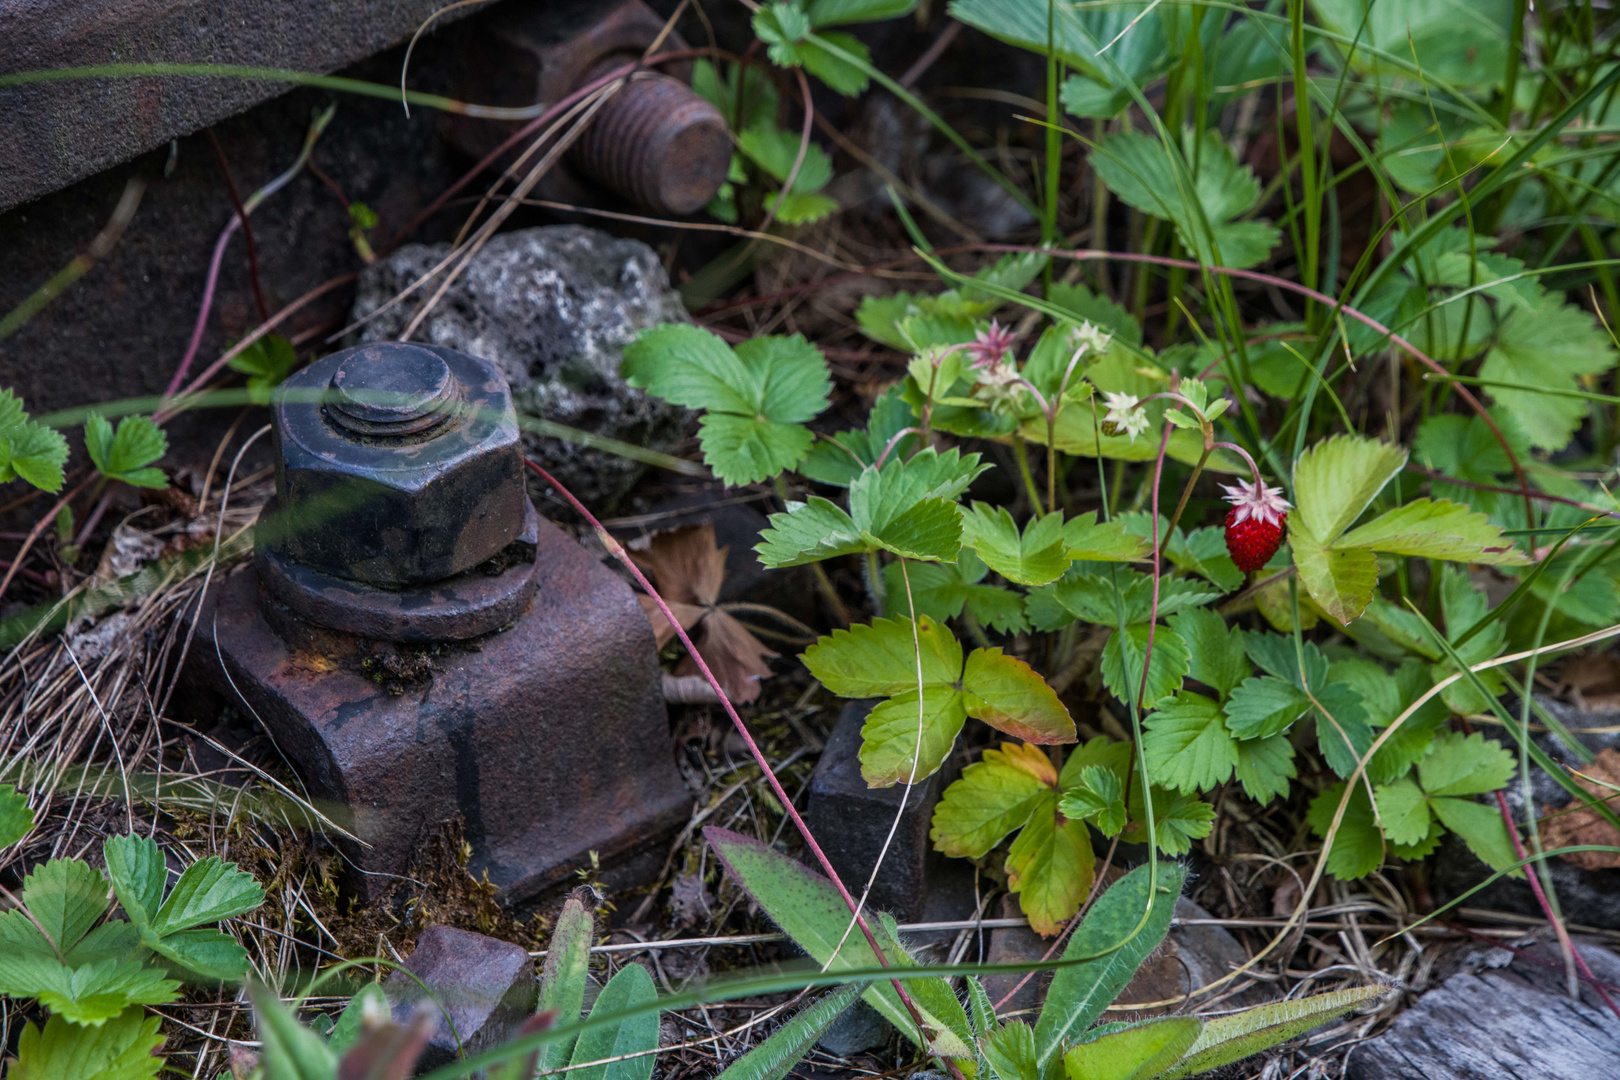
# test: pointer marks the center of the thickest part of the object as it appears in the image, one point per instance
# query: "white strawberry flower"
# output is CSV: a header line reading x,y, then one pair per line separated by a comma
x,y
1256,500
1089,337
1125,415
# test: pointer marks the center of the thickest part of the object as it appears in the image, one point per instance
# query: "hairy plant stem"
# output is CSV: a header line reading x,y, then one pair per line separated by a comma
x,y
872,575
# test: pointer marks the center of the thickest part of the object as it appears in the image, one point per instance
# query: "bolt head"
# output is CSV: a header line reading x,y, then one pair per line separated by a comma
x,y
396,465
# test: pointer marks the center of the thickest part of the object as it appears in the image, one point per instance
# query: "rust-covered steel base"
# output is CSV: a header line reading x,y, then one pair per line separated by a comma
x,y
549,737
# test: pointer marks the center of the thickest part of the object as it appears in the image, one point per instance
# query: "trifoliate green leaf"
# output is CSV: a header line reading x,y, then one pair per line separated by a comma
x,y
1122,664
781,26
1116,757
879,659
1264,706
1550,347
1215,653
120,1049
1264,767
995,795
775,150
138,872
1342,731
1465,765
67,897
93,994
1358,847
1403,811
126,454
1435,530
266,362
843,12
902,742
1010,1051
1050,866
944,590
1109,541
1178,820
1187,745
204,954
808,532
16,819
1037,557
1335,480
1099,797
841,458
1011,697
27,450
1203,552
1341,582
838,73
1198,187
1481,827
757,396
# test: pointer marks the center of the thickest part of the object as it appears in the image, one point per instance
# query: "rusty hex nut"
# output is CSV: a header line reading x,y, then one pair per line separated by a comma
x,y
396,465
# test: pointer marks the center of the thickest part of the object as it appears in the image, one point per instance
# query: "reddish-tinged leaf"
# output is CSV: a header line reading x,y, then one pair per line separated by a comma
x,y
1010,696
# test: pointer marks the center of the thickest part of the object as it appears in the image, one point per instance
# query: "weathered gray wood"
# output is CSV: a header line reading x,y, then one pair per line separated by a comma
x,y
1510,1022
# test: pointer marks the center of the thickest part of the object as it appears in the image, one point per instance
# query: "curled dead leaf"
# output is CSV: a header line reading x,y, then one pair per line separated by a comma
x,y
1582,825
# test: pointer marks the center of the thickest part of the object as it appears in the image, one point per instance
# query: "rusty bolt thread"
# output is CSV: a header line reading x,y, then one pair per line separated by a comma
x,y
658,144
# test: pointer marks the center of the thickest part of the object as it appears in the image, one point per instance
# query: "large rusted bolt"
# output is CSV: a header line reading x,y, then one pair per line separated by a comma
x,y
397,465
655,142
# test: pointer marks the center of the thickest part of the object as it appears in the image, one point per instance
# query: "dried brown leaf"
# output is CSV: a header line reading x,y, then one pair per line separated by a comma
x,y
1583,825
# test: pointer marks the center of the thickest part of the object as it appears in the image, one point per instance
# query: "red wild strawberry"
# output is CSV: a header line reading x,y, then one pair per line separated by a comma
x,y
1254,525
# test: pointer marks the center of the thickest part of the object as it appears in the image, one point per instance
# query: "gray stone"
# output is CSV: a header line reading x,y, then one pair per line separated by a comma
x,y
1508,1017
487,986
858,1029
553,307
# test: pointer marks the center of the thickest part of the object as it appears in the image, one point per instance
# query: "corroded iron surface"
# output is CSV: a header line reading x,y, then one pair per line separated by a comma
x,y
550,737
396,465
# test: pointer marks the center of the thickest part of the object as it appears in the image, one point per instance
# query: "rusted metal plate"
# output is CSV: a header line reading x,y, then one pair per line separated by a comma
x,y
550,737
58,132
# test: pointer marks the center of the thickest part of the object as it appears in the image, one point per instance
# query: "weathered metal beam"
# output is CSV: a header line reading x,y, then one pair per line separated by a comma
x,y
57,132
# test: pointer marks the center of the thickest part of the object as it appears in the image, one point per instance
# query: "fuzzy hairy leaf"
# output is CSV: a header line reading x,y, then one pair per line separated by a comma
x,y
1011,697
636,1035
1135,1052
809,910
776,1056
564,975
1050,866
1226,1039
120,1049
1115,935
994,796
